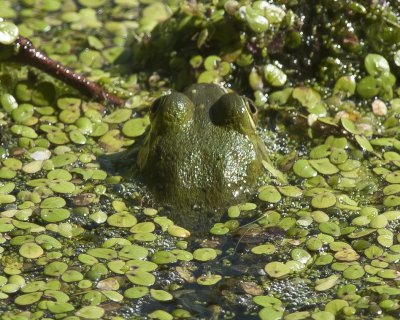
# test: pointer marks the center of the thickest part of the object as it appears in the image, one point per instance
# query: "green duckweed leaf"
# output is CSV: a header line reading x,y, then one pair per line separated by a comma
x,y
160,315
204,254
143,227
136,292
62,186
346,85
256,22
379,222
209,279
277,269
135,127
354,272
90,312
133,252
177,231
59,307
8,32
122,220
271,313
376,65
264,249
364,143
267,301
54,215
52,202
324,166
373,252
160,295
274,76
347,255
29,298
300,255
327,283
303,169
291,191
31,250
330,228
323,200
349,126
141,278
269,194
163,257
233,212
55,268
118,116
368,87
72,276
103,253
307,96
323,315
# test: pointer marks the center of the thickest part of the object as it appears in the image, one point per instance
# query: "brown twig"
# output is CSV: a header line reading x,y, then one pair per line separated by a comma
x,y
28,54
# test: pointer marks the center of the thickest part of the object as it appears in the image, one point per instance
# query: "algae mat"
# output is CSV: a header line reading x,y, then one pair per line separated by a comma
x,y
319,239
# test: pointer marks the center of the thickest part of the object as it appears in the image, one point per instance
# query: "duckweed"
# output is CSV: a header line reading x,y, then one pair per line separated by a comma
x,y
321,231
160,295
30,250
204,254
277,269
209,279
269,194
90,312
122,219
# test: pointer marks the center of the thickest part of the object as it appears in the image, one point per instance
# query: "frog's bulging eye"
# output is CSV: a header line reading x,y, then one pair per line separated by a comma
x,y
171,110
233,111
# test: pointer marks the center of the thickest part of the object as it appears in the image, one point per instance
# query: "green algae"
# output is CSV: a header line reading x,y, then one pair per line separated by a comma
x,y
330,228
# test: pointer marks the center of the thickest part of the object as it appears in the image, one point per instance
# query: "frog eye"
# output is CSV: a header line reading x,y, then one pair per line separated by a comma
x,y
233,111
171,110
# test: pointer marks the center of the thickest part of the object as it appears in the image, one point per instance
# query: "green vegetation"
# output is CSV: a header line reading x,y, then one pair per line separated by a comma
x,y
320,240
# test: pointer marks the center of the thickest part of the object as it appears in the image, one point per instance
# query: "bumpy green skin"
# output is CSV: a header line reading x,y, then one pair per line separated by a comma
x,y
202,148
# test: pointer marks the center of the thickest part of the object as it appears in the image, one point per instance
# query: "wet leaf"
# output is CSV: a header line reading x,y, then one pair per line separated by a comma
x,y
277,269
90,312
326,284
160,295
376,65
204,254
269,194
8,32
31,250
29,298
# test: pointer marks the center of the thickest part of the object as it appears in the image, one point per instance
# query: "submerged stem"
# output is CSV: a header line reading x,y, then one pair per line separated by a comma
x,y
28,54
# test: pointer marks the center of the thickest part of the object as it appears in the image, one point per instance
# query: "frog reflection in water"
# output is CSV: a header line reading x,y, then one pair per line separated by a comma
x,y
202,148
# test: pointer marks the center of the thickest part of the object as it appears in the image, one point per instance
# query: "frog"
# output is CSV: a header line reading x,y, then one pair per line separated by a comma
x,y
202,149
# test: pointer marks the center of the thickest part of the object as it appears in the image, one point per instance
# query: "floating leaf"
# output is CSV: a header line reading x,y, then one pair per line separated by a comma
x,y
303,169
269,194
376,65
29,298
8,32
277,269
307,96
364,143
204,254
90,312
31,250
160,295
